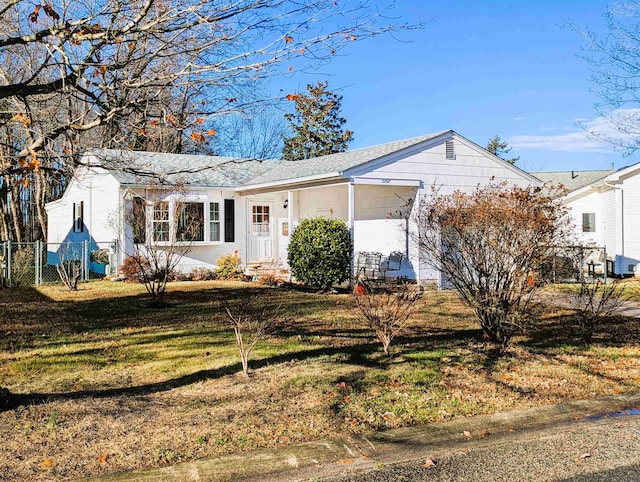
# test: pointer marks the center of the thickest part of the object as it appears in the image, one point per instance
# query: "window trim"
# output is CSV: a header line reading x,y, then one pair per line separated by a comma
x,y
223,219
217,221
78,217
589,222
155,222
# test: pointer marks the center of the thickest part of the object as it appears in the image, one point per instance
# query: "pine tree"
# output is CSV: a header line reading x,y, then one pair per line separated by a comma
x,y
316,124
500,148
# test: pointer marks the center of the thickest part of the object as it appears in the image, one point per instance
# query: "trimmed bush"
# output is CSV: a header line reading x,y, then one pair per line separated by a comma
x,y
320,252
229,267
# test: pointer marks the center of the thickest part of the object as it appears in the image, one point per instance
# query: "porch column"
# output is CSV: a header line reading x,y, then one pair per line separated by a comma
x,y
351,209
290,211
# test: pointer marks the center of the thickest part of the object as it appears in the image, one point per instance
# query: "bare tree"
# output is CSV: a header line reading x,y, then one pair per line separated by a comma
x,y
614,59
255,134
253,319
490,244
144,74
385,309
79,65
161,228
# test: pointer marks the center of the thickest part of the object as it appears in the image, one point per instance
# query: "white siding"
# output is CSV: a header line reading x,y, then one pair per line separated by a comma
x,y
592,203
99,191
330,201
471,168
631,234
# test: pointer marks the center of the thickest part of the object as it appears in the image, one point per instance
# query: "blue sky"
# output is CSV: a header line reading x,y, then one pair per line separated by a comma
x,y
510,68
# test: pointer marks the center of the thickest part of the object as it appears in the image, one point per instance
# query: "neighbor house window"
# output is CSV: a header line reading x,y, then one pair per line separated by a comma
x,y
139,220
161,221
191,223
229,221
588,222
78,217
214,221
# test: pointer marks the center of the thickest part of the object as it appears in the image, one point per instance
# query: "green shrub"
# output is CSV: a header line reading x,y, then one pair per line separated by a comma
x,y
320,252
229,266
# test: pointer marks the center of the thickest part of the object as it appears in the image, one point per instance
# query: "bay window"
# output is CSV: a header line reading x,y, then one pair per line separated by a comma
x,y
190,226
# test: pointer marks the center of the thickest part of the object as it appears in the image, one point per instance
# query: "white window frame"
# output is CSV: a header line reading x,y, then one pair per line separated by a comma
x,y
217,221
589,227
206,202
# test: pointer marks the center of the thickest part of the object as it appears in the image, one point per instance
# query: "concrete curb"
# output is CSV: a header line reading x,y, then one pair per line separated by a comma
x,y
338,457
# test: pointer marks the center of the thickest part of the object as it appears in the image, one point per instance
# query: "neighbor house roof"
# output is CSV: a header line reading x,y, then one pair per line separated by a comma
x,y
143,168
572,180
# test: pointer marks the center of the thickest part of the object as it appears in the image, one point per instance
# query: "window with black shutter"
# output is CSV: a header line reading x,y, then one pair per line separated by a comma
x,y
229,221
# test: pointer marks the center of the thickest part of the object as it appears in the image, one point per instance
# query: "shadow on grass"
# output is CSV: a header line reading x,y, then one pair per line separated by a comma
x,y
355,356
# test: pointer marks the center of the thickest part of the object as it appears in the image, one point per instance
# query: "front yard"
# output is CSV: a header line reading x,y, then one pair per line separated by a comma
x,y
109,385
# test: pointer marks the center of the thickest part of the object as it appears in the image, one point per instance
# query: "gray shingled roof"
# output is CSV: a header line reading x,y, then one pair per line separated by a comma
x,y
143,168
334,163
572,180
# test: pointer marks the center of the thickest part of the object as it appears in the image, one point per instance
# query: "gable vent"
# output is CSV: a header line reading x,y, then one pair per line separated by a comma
x,y
451,153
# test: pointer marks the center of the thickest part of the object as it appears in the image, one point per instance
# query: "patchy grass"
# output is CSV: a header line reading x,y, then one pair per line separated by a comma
x,y
630,288
109,384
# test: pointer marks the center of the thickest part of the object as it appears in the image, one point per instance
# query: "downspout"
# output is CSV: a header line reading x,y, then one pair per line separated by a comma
x,y
619,188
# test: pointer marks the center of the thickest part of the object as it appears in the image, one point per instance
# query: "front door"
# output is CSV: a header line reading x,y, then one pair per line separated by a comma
x,y
260,232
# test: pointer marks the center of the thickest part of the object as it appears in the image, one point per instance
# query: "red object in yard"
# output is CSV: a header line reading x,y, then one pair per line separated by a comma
x,y
359,290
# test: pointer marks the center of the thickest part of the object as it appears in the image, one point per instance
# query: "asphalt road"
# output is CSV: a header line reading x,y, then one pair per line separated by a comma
x,y
598,449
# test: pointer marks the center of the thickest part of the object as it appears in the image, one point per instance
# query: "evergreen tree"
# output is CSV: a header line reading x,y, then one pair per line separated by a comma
x,y
316,124
500,148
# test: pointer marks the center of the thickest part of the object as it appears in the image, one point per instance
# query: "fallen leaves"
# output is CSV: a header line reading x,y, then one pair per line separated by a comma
x,y
428,464
345,461
47,463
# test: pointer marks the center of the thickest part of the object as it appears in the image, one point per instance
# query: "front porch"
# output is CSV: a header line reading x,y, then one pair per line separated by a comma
x,y
377,214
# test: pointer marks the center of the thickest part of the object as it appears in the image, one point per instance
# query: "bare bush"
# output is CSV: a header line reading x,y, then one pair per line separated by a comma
x,y
69,265
594,302
385,309
161,231
253,319
491,245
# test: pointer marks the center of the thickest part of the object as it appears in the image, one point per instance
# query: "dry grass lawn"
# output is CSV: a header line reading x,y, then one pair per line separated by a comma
x,y
107,385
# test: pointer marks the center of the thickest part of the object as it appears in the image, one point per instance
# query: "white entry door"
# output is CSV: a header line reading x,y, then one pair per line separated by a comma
x,y
260,232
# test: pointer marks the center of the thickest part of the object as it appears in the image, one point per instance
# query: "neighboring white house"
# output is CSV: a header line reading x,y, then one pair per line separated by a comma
x,y
605,206
251,206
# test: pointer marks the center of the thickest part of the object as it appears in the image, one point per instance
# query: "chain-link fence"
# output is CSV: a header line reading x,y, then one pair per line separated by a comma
x,y
24,264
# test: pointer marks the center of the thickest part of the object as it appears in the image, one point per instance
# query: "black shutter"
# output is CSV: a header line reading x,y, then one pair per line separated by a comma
x,y
229,221
73,223
81,222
